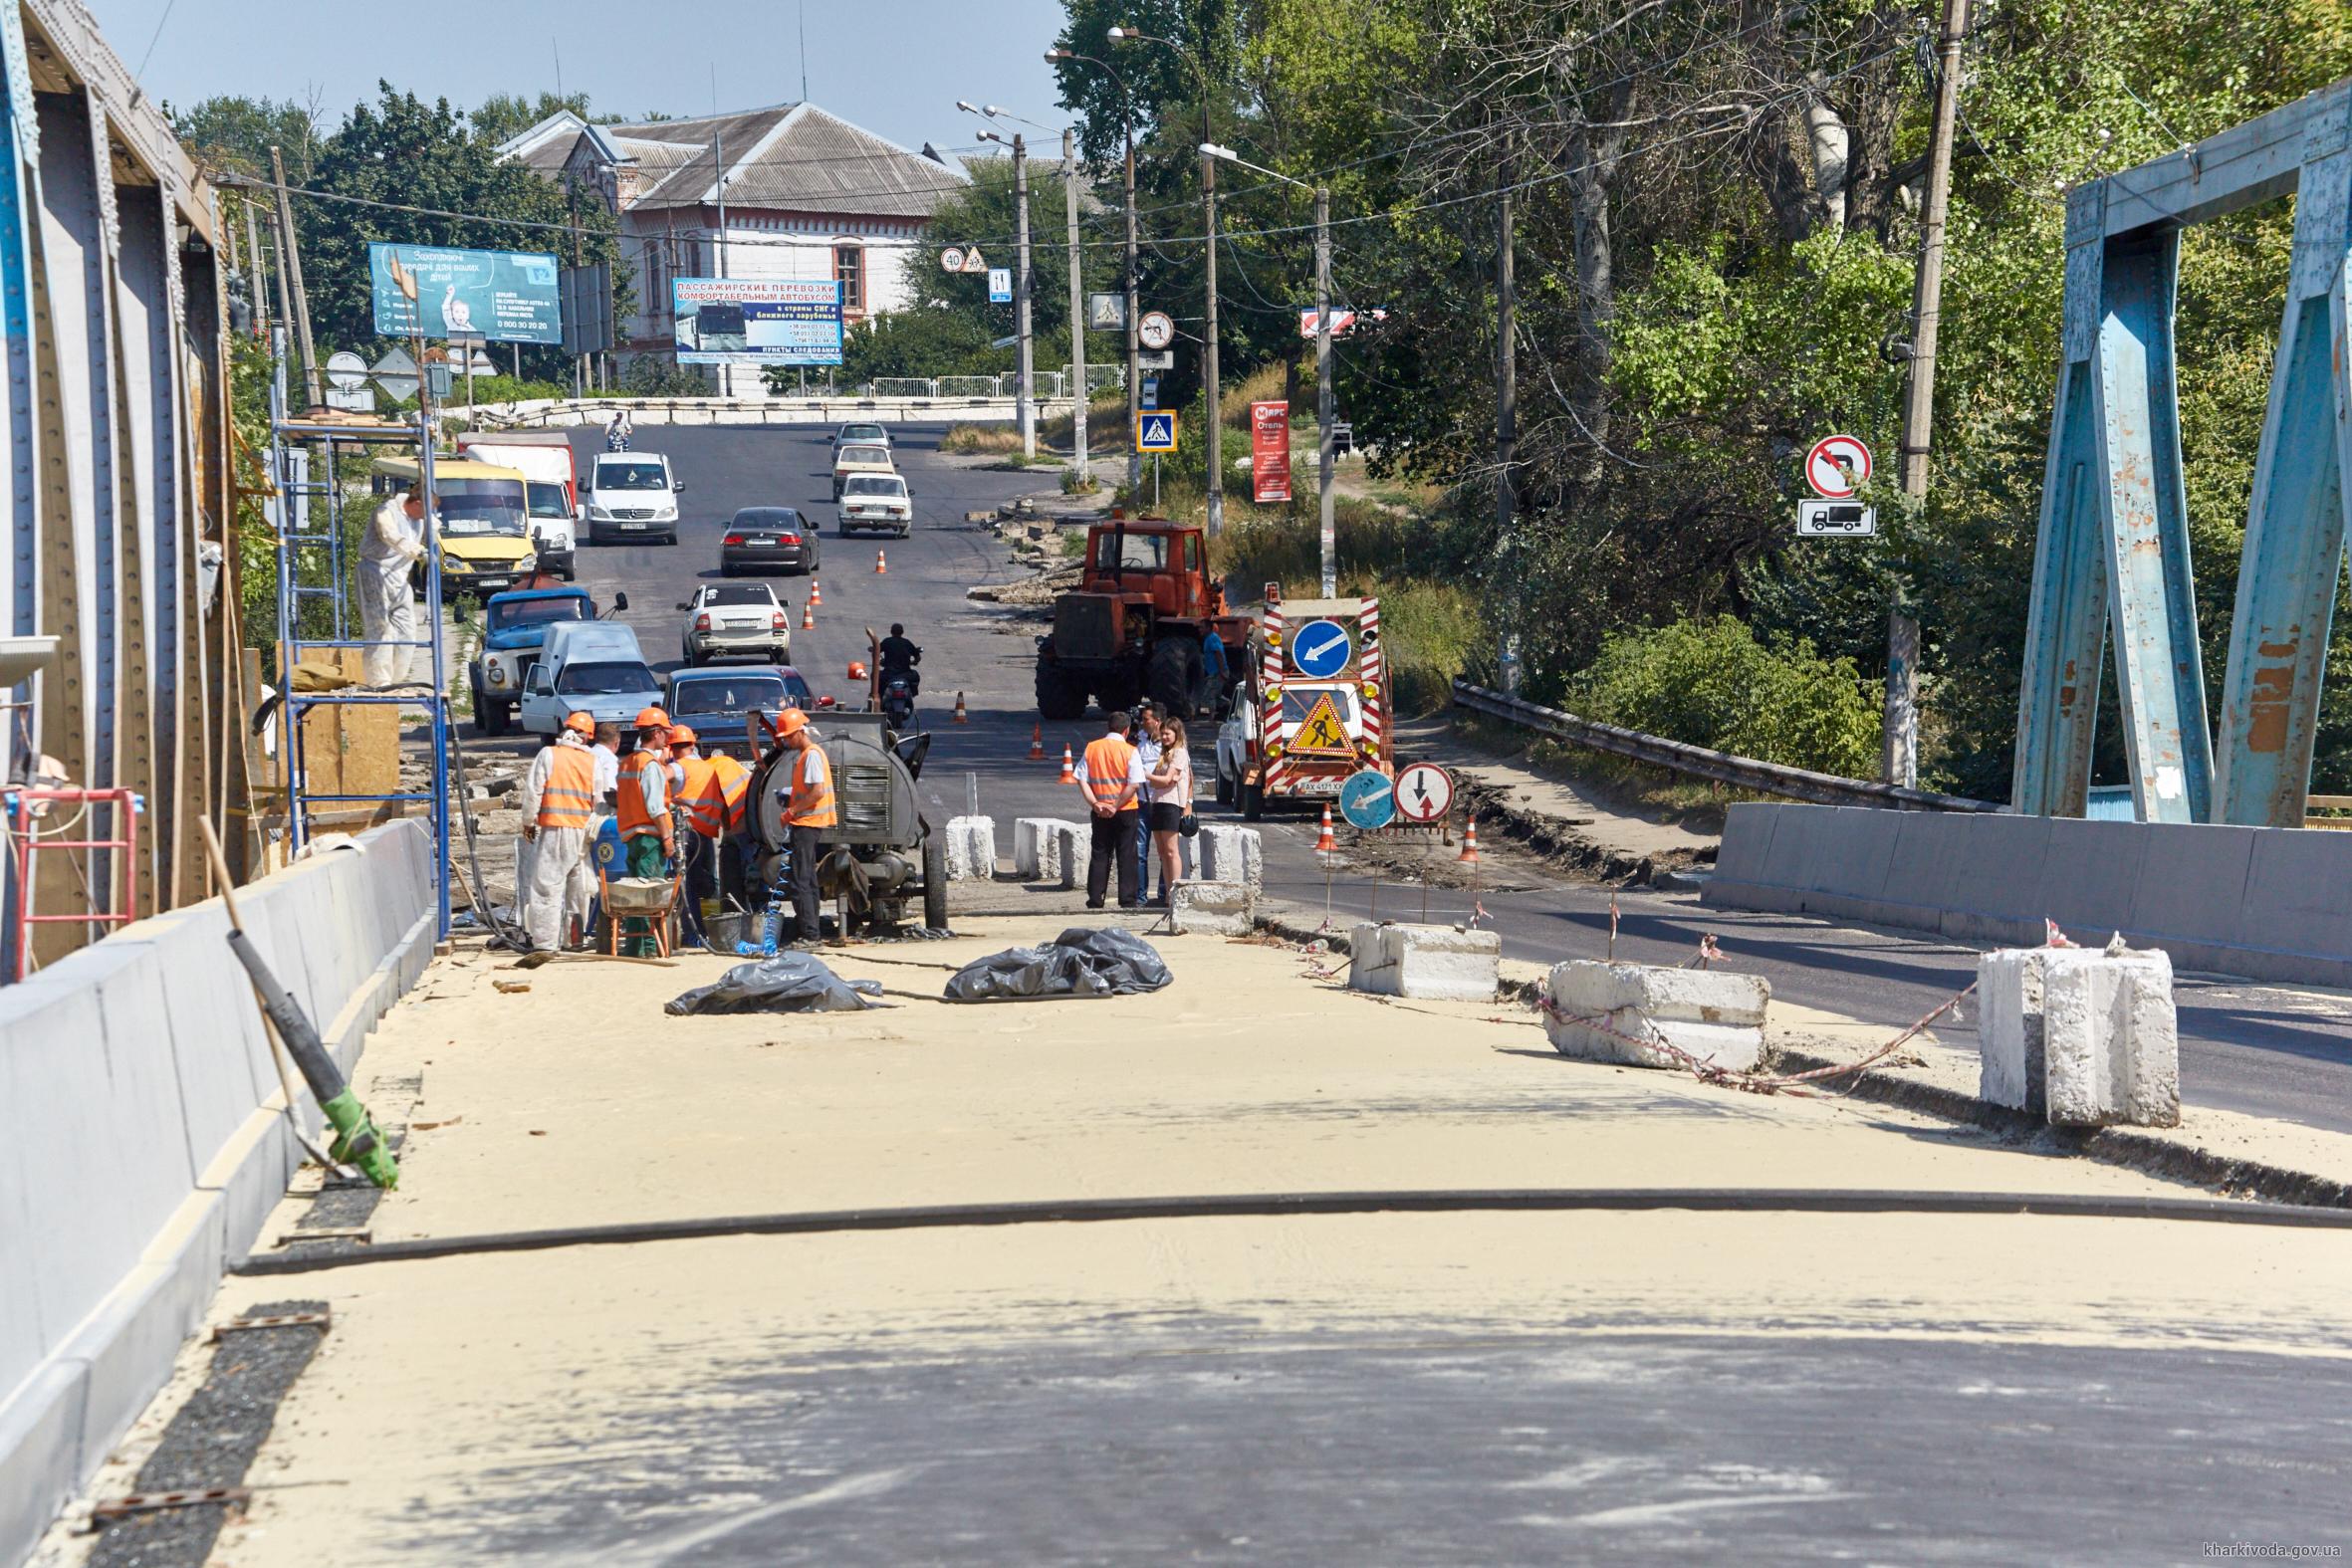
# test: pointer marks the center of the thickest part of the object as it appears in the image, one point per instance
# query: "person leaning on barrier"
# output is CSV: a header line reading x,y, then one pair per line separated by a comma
x,y
1110,777
562,782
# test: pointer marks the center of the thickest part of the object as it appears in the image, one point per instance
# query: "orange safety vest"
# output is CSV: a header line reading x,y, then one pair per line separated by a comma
x,y
1108,762
720,801
569,797
635,819
810,805
688,778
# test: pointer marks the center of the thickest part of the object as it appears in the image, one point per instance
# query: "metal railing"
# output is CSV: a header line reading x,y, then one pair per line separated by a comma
x,y
1742,773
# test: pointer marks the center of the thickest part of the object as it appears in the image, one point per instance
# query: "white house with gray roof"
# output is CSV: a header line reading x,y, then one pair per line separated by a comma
x,y
808,195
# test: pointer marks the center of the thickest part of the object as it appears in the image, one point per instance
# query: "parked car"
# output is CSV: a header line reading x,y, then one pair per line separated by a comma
x,y
862,432
632,495
861,458
593,667
767,540
877,502
715,703
735,619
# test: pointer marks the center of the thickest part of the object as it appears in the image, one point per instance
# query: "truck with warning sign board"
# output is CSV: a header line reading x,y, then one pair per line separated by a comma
x,y
1312,706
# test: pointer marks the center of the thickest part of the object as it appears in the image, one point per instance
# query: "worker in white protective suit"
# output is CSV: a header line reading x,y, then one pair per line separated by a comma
x,y
391,546
562,785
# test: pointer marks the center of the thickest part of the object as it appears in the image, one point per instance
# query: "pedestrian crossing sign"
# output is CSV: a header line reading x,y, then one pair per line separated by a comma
x,y
1322,731
1155,430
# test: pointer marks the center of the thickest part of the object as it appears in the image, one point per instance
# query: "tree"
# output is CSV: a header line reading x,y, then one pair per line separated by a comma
x,y
504,116
236,134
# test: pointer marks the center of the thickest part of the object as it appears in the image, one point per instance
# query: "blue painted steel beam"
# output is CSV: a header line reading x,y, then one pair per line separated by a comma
x,y
2152,599
2296,523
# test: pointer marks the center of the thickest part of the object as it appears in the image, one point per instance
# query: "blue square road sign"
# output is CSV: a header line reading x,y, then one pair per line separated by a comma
x,y
1155,430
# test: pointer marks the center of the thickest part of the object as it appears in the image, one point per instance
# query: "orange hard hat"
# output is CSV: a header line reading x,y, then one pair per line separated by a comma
x,y
791,721
856,670
651,719
681,736
580,722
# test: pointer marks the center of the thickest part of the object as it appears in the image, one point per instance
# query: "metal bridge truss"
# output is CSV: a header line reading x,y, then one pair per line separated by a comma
x,y
2113,550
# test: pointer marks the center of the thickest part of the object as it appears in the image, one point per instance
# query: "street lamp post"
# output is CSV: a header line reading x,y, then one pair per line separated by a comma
x,y
1328,529
1024,404
1209,212
1134,348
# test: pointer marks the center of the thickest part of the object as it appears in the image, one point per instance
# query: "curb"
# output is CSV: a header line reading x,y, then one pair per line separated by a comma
x,y
2121,1146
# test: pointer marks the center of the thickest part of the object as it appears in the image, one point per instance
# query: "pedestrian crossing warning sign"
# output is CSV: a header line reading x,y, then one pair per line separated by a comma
x,y
1155,430
1322,731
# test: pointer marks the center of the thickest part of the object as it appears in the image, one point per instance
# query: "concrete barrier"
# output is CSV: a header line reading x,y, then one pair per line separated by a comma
x,y
2269,903
971,850
1436,963
142,1144
1599,1012
1233,854
1042,849
1223,909
2110,1040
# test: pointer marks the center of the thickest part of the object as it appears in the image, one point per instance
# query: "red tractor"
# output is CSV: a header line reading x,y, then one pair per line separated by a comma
x,y
1134,625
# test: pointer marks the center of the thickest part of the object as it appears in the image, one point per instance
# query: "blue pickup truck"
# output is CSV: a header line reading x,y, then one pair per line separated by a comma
x,y
515,627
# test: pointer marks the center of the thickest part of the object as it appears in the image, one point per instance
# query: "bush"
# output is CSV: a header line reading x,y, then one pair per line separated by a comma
x,y
1711,683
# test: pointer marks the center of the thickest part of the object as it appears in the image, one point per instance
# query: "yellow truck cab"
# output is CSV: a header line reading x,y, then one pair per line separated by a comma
x,y
483,520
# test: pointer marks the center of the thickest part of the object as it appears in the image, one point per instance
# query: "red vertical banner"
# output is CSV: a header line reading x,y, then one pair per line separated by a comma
x,y
1269,450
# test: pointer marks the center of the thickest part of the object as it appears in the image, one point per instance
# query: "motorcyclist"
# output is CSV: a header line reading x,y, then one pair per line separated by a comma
x,y
899,657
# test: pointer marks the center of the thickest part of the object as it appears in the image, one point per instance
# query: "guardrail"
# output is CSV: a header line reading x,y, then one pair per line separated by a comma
x,y
544,412
1742,772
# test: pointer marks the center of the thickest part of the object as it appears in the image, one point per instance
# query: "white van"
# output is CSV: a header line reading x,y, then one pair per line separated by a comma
x,y
632,495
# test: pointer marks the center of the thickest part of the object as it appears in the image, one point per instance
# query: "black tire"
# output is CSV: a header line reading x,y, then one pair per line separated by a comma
x,y
1224,787
1173,674
1059,698
934,883
1253,802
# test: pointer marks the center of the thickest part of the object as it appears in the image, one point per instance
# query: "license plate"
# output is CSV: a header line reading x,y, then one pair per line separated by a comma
x,y
760,544
1317,785
634,527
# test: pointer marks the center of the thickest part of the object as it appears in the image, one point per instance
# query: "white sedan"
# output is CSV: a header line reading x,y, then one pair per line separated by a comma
x,y
736,621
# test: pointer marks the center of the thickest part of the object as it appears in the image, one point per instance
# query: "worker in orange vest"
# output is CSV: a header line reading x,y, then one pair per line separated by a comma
x,y
1110,777
690,775
716,815
649,840
562,781
808,799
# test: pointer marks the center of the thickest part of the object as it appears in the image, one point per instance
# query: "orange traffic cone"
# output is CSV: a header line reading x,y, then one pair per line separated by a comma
x,y
881,564
1324,843
815,593
961,716
1469,842
1037,742
1069,775
808,614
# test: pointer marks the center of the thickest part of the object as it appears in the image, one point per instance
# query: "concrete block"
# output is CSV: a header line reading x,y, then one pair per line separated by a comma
x,y
1713,1015
971,848
2009,1068
1233,854
2193,884
2298,893
1041,848
39,1443
1435,963
1747,841
2111,1040
1222,909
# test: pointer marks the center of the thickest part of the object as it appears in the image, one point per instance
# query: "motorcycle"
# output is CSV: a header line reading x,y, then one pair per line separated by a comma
x,y
898,702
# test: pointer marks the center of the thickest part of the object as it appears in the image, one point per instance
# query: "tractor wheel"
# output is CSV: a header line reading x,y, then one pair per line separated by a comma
x,y
1059,698
935,883
1173,674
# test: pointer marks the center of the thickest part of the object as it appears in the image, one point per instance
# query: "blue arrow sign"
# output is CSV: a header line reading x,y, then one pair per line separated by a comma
x,y
1321,649
1155,430
1368,800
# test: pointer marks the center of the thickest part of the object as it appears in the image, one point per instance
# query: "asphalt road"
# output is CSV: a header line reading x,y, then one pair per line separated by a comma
x,y
2263,1049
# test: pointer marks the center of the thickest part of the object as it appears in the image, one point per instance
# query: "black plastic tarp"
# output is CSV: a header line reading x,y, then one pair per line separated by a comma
x,y
787,982
1082,961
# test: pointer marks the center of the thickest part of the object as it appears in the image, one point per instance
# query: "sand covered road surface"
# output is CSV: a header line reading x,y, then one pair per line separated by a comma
x,y
1401,1387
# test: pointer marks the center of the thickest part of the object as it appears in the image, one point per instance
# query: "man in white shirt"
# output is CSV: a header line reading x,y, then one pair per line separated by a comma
x,y
392,545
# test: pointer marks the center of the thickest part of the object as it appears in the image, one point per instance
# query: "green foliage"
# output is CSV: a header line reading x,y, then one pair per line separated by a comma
x,y
236,133
927,341
1714,683
505,116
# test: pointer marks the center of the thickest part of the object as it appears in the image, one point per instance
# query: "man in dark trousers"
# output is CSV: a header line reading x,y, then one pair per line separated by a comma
x,y
1110,777
899,656
808,798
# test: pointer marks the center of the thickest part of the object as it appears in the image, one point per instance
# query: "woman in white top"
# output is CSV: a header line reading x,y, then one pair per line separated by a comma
x,y
1170,785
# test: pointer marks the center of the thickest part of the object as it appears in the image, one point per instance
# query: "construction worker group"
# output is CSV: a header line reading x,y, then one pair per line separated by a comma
x,y
581,791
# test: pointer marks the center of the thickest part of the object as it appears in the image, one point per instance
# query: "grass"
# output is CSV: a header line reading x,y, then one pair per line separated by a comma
x,y
981,439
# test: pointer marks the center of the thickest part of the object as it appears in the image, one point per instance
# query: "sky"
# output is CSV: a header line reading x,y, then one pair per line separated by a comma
x,y
894,67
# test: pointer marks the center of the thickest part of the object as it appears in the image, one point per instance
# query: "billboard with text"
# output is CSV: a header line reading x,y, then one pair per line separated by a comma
x,y
757,321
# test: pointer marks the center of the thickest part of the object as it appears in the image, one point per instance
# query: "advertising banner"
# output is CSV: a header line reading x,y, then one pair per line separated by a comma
x,y
504,296
757,321
1269,450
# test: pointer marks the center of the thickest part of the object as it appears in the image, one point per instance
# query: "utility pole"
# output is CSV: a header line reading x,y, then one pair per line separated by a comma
x,y
1329,532
289,279
579,334
1134,345
1077,307
1216,450
719,251
1025,408
1900,727
260,269
1506,423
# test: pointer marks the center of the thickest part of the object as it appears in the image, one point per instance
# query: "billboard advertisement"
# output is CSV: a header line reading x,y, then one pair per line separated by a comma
x,y
504,296
757,321
1269,450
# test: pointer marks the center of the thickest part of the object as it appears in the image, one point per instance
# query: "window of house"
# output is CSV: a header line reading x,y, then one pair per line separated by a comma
x,y
849,272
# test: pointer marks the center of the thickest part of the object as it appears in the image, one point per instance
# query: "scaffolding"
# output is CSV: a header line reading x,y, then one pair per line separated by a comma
x,y
305,511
